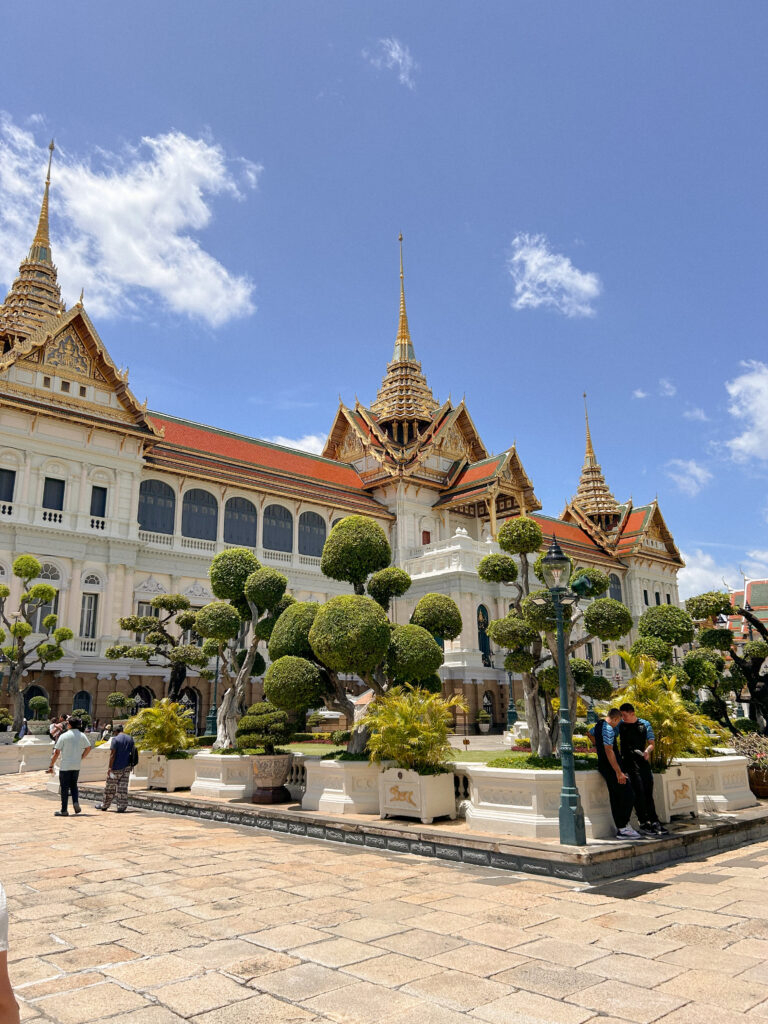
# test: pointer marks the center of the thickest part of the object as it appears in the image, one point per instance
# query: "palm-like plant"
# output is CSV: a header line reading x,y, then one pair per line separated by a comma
x,y
656,697
164,728
410,726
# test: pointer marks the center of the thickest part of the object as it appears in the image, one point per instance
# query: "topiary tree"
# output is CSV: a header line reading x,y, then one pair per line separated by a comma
x,y
263,727
528,632
248,594
709,611
160,640
31,646
40,708
314,649
667,622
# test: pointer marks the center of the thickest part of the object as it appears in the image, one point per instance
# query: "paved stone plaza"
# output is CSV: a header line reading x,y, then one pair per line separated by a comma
x,y
146,919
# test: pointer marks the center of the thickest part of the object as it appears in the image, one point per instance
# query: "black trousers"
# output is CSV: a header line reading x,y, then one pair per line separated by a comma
x,y
641,777
67,785
620,795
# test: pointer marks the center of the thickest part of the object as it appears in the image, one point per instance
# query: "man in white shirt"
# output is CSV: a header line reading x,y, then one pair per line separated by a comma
x,y
73,746
9,1009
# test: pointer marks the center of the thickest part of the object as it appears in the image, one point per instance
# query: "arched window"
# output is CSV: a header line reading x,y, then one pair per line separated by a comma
x,y
483,642
141,697
92,580
311,534
337,521
614,590
278,529
29,693
157,507
49,572
488,706
190,698
82,701
240,518
199,515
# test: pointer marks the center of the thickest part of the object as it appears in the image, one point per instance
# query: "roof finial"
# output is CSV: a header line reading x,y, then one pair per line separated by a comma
x,y
590,451
80,300
403,344
41,244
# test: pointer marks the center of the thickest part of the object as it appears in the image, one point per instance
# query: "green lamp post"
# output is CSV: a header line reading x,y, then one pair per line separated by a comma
x,y
556,569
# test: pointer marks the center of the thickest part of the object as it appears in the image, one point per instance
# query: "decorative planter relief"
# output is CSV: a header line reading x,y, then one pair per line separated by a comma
x,y
674,792
722,783
170,773
223,776
269,774
341,787
407,794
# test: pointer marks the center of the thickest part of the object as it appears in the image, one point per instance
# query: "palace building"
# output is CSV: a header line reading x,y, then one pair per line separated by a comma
x,y
120,503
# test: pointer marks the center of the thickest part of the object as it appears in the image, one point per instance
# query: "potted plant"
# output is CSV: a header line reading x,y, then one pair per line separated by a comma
x,y
6,721
754,747
117,701
261,730
409,726
164,731
483,721
41,714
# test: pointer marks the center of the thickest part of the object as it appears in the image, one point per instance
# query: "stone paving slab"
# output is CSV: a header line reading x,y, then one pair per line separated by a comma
x,y
154,919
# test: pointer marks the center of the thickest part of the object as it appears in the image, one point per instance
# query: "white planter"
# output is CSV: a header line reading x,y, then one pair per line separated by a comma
x,y
674,793
38,729
407,794
10,759
139,777
93,768
170,773
36,753
526,802
341,787
270,772
484,727
223,776
520,730
6,737
722,783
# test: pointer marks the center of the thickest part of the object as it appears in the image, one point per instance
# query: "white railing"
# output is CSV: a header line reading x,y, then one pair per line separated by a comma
x,y
312,560
6,508
193,544
52,518
87,646
164,539
98,522
279,556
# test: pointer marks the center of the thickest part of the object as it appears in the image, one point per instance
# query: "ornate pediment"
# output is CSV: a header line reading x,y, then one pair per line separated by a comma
x,y
150,586
197,592
67,352
351,447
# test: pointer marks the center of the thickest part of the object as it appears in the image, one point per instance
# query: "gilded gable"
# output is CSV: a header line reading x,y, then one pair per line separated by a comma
x,y
67,352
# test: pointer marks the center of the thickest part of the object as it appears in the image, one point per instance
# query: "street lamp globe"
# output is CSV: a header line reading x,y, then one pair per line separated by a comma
x,y
556,567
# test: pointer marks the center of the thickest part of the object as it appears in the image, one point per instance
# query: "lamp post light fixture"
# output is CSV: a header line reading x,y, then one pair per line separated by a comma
x,y
556,569
210,721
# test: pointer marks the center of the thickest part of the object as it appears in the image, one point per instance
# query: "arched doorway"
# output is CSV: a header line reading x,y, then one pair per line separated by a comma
x,y
141,697
82,701
483,640
29,693
489,707
191,700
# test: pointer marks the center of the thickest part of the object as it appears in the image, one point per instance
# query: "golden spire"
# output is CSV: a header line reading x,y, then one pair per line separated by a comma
x,y
593,495
40,250
403,345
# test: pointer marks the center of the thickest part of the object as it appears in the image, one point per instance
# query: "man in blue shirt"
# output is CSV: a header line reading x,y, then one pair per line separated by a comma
x,y
605,736
121,760
636,743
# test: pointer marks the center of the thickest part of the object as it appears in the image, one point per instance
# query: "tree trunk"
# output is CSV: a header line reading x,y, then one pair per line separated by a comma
x,y
535,718
359,740
176,682
228,713
16,695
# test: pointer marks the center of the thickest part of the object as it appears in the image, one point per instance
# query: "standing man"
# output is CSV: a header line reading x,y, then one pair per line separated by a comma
x,y
73,746
121,760
605,736
636,743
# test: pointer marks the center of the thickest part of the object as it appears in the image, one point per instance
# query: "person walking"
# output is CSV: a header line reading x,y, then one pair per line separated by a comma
x,y
73,746
122,758
620,794
24,729
9,1008
636,743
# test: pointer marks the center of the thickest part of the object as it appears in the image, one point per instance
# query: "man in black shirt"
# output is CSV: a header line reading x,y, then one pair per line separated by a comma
x,y
636,743
620,793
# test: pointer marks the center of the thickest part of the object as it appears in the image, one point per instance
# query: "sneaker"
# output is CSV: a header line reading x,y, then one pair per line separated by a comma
x,y
628,833
61,814
646,829
100,808
659,829
77,808
121,810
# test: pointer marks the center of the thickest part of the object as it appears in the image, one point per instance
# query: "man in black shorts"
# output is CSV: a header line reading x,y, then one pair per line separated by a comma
x,y
605,736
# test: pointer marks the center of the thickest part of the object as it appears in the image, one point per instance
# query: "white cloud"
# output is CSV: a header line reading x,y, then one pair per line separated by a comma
x,y
749,402
123,223
688,475
312,443
393,55
546,278
696,414
702,572
639,393
666,388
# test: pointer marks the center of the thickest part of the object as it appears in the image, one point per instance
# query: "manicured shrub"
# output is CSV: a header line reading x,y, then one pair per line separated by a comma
x,y
229,570
293,684
290,634
350,634
262,727
439,615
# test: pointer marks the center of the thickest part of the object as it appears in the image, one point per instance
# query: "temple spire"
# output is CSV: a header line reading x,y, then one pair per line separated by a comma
x,y
403,345
40,250
593,496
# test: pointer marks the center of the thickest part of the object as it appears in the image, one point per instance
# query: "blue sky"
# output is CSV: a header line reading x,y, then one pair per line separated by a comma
x,y
581,188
